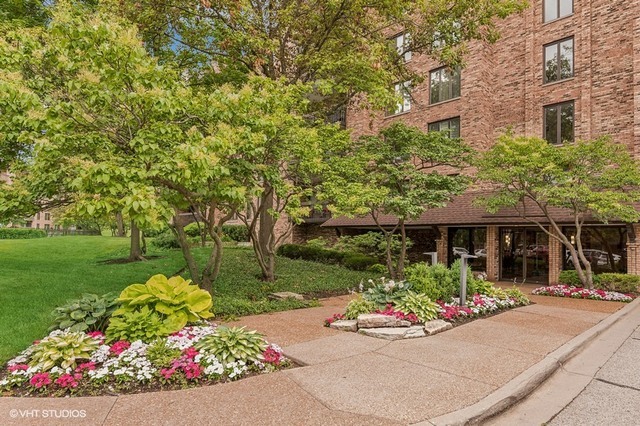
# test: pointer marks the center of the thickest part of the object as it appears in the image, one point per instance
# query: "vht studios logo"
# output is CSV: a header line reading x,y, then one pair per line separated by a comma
x,y
44,414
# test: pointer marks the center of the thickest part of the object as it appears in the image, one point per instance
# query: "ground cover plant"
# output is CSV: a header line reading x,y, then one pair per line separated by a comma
x,y
562,290
40,275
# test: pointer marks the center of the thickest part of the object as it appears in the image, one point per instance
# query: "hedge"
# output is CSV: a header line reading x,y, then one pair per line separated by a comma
x,y
623,283
355,261
21,233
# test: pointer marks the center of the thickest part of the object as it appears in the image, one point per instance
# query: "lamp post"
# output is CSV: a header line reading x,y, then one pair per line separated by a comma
x,y
463,277
433,255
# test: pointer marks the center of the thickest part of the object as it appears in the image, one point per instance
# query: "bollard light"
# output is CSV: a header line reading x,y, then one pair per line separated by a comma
x,y
434,256
463,277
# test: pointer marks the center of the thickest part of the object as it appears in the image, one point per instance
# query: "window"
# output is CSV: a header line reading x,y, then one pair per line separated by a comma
x,y
452,125
47,216
38,216
401,43
47,226
403,90
558,60
558,123
554,9
444,85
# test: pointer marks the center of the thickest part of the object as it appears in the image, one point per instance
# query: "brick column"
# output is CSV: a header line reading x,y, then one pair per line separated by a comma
x,y
492,246
633,252
441,244
556,250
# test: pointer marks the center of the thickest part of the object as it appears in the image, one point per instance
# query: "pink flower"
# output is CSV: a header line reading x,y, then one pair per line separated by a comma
x,y
35,342
40,379
86,366
16,367
190,353
192,370
98,335
167,372
67,381
118,347
272,356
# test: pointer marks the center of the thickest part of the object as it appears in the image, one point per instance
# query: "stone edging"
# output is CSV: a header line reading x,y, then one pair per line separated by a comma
x,y
525,383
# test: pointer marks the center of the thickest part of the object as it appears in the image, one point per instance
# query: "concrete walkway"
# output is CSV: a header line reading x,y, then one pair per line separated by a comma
x,y
351,379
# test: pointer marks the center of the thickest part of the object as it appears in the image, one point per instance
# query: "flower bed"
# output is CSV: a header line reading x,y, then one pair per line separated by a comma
x,y
582,293
172,362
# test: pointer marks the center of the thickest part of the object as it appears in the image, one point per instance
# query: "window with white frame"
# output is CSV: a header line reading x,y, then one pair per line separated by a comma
x,y
401,44
403,91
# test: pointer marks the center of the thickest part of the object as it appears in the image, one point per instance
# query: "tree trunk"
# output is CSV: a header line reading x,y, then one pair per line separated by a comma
x,y
178,230
403,250
120,231
212,268
265,236
390,267
135,251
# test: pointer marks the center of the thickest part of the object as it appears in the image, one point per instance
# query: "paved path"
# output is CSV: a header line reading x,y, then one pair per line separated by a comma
x,y
352,379
599,386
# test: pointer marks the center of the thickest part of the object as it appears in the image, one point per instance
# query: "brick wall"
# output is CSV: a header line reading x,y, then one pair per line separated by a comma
x,y
492,247
556,253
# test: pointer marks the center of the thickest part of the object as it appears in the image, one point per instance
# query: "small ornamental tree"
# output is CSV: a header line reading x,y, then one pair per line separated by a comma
x,y
595,179
396,173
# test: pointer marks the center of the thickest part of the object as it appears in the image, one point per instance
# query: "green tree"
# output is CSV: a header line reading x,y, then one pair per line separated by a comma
x,y
109,130
588,179
397,174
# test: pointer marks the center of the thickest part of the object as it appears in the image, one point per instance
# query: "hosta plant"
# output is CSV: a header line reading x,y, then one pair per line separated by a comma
x,y
386,292
89,313
143,324
420,305
516,294
231,344
359,306
62,349
162,355
174,299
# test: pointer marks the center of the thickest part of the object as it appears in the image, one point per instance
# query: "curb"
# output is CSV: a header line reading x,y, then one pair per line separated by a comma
x,y
525,383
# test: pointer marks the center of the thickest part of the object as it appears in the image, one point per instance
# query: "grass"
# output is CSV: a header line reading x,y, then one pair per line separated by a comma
x,y
38,275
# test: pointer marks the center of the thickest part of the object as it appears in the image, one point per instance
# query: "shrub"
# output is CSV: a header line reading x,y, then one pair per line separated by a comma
x,y
420,305
238,233
192,230
623,283
377,268
143,324
62,349
515,293
89,313
371,244
480,286
153,233
318,242
233,344
21,233
166,240
175,299
358,262
570,277
359,306
384,292
435,281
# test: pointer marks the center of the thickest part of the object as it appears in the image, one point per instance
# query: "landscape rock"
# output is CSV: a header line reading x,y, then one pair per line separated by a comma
x,y
284,295
437,326
386,333
345,325
415,331
379,321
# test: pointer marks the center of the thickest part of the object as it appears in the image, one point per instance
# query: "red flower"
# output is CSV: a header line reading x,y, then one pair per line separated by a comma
x,y
86,366
190,352
96,335
67,381
272,356
16,367
118,347
167,372
192,370
40,379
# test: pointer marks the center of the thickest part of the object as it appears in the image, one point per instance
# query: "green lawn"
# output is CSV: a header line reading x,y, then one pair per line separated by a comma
x,y
38,275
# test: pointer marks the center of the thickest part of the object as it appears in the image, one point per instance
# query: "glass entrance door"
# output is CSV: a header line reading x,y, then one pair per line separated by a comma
x,y
524,255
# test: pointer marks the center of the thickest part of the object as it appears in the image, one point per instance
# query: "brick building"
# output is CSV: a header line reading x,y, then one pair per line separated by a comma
x,y
563,70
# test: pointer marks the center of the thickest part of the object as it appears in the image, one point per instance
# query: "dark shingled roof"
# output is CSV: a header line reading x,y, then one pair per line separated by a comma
x,y
460,211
